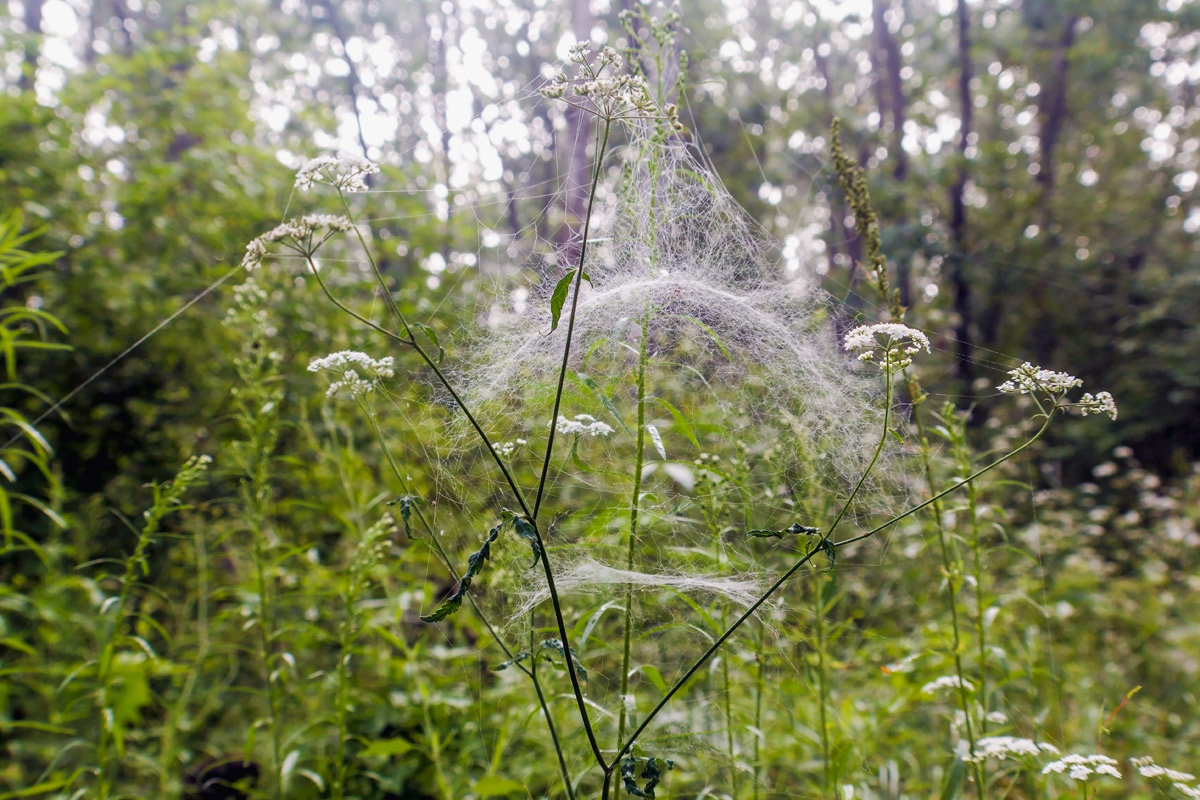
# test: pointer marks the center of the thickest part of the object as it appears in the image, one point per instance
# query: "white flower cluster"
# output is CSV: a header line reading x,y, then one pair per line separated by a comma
x,y
1002,747
619,96
583,424
1030,379
506,449
946,682
1179,780
1101,403
357,372
347,173
299,232
900,343
1081,768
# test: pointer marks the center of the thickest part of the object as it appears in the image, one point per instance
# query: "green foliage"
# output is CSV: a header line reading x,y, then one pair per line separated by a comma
x,y
273,617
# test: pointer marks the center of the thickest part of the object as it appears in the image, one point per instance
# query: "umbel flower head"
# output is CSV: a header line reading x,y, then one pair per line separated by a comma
x,y
355,373
347,173
1082,768
889,345
303,235
599,89
1052,387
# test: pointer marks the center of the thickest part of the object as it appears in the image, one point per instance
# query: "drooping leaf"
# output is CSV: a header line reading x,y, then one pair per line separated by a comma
x,y
793,529
559,297
527,532
432,336
474,562
651,772
556,645
406,503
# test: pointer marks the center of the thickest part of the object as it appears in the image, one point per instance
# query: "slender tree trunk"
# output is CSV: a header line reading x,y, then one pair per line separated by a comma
x,y
33,41
889,96
963,306
353,84
1052,108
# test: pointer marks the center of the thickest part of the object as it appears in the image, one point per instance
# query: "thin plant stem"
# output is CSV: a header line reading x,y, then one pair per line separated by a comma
x,y
759,691
529,672
634,508
808,556
953,573
823,686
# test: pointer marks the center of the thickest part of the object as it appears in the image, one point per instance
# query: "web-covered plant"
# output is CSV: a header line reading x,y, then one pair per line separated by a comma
x,y
612,569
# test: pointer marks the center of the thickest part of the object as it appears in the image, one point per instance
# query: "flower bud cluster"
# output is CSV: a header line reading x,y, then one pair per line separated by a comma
x,y
298,232
347,173
1053,386
1081,768
357,373
900,343
583,424
612,97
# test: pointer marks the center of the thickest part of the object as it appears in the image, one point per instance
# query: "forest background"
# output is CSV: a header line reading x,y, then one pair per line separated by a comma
x,y
1034,165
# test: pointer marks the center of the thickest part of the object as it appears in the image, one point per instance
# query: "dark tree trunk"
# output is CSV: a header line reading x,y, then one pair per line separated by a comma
x,y
33,37
963,306
1052,107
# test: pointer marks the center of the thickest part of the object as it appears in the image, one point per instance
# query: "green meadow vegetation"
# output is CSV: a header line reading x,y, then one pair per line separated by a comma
x,y
606,462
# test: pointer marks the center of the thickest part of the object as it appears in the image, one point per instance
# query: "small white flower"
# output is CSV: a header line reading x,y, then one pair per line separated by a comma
x,y
583,424
946,682
298,234
608,96
506,449
346,172
1030,379
1147,768
1101,403
899,344
357,373
1002,747
1081,768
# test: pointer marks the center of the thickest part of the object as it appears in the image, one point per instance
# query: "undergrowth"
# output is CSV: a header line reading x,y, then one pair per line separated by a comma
x,y
660,535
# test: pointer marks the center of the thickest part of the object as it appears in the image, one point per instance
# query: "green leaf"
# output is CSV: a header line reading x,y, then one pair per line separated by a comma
x,y
954,780
474,563
556,645
431,335
388,747
406,502
559,297
684,427
521,656
493,786
527,532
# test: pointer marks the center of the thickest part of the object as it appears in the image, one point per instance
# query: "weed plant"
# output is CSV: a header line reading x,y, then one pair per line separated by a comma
x,y
661,536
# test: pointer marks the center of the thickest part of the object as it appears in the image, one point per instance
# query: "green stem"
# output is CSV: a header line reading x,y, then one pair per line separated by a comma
x,y
445,559
634,507
759,691
953,569
823,688
808,556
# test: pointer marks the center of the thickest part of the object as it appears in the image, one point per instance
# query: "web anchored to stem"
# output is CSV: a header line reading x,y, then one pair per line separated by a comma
x,y
675,310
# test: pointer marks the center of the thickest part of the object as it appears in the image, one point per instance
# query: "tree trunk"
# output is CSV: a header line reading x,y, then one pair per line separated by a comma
x,y
963,331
